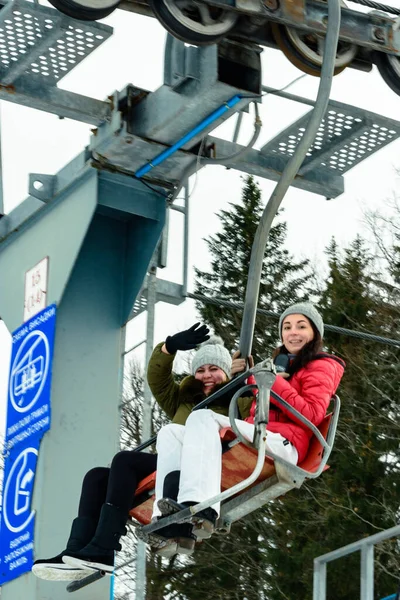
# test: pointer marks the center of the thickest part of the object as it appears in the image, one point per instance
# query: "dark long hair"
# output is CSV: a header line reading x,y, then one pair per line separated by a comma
x,y
308,352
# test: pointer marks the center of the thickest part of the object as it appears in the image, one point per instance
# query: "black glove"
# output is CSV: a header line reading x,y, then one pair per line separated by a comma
x,y
188,339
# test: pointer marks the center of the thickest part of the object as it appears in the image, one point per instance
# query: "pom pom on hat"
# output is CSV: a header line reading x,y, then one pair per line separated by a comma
x,y
213,352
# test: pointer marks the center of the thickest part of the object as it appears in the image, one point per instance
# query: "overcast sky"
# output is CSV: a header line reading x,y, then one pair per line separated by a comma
x,y
33,141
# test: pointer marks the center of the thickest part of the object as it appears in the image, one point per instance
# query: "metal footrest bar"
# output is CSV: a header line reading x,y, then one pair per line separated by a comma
x,y
81,583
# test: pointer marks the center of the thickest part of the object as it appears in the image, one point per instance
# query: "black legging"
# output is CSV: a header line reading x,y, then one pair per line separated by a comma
x,y
115,485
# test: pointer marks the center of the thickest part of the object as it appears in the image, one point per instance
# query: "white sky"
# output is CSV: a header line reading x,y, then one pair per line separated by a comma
x,y
33,141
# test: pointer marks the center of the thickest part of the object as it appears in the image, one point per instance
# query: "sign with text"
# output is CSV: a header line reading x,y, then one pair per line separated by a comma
x,y
28,406
28,418
16,543
36,289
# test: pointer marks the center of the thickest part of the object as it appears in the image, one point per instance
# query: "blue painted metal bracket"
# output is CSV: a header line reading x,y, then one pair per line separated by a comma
x,y
199,128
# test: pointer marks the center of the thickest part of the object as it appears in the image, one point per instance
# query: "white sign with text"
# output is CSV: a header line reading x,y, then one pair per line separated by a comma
x,y
36,289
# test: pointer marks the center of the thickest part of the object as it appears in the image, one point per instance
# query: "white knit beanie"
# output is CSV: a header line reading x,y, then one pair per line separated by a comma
x,y
308,310
213,352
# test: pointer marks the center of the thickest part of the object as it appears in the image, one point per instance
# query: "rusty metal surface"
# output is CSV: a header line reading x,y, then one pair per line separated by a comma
x,y
294,9
368,30
140,7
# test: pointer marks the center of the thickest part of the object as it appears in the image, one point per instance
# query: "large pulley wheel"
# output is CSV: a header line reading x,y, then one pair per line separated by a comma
x,y
305,50
389,68
194,22
86,10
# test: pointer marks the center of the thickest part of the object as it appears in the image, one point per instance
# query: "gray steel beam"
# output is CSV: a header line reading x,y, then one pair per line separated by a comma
x,y
166,291
271,167
369,30
372,31
55,101
1,175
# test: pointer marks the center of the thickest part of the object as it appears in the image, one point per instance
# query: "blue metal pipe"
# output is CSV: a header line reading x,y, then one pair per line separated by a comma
x,y
188,136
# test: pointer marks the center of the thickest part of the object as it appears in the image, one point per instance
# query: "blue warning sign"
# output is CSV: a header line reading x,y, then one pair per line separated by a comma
x,y
28,417
16,545
28,408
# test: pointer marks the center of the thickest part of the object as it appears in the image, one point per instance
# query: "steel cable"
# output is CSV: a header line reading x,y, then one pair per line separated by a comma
x,y
377,6
269,313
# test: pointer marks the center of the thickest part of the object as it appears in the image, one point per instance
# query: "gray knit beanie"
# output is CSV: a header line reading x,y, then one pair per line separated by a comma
x,y
308,310
213,352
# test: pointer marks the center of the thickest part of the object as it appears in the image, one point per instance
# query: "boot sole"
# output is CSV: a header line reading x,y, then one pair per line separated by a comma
x,y
177,546
203,530
64,572
87,564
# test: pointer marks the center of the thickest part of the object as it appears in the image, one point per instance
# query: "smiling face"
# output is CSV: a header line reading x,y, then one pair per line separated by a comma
x,y
210,376
296,332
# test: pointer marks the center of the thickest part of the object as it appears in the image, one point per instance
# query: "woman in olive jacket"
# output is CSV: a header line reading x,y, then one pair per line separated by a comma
x,y
178,399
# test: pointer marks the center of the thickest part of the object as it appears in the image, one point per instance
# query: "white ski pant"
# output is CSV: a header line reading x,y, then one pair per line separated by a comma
x,y
195,450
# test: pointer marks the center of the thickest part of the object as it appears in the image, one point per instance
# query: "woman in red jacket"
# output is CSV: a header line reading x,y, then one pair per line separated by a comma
x,y
308,384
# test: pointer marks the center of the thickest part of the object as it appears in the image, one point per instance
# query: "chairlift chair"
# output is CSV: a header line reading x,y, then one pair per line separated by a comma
x,y
251,477
239,461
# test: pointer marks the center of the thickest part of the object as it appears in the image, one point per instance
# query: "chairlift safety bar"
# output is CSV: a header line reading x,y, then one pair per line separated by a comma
x,y
261,436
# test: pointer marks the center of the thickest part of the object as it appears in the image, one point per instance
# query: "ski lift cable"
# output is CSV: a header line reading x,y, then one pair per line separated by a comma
x,y
269,313
377,6
288,175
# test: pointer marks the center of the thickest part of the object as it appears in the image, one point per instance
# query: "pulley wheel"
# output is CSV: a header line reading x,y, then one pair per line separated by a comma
x,y
194,22
389,68
305,50
85,10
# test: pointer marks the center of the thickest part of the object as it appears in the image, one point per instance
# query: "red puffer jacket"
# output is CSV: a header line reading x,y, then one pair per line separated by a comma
x,y
309,391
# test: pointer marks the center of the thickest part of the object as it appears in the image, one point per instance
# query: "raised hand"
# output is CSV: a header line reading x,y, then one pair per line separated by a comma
x,y
187,339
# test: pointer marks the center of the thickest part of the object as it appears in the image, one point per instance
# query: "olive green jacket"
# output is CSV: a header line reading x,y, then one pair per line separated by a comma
x,y
178,399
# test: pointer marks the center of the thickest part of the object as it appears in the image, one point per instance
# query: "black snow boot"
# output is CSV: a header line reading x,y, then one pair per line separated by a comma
x,y
98,554
178,537
54,568
171,485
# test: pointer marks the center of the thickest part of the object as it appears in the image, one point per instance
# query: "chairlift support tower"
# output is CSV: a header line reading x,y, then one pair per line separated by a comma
x,y
100,219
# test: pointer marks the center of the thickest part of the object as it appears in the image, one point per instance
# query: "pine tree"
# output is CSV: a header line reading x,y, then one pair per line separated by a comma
x,y
283,280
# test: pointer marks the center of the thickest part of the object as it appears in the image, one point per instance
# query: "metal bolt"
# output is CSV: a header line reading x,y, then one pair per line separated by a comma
x,y
271,4
128,140
379,34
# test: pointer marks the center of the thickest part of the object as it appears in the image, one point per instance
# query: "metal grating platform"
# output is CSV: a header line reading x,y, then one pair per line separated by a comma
x,y
346,137
139,306
166,291
43,43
